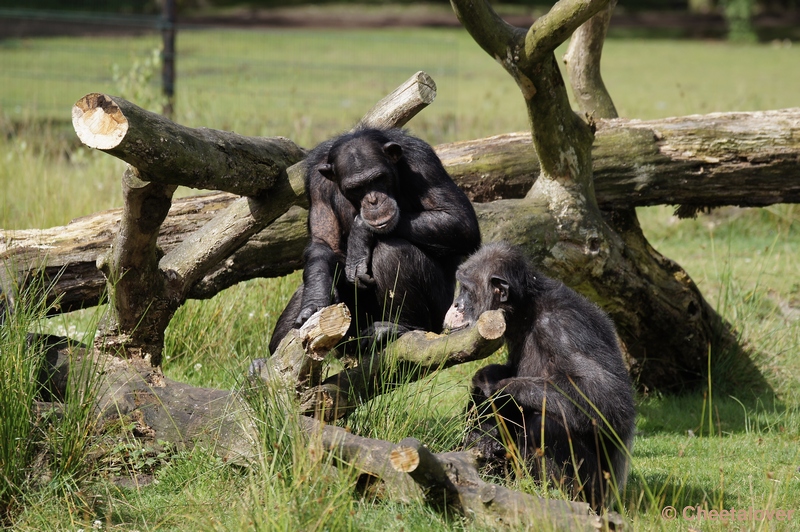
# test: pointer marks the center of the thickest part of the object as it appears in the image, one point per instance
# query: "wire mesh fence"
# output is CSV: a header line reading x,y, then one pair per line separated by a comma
x,y
302,83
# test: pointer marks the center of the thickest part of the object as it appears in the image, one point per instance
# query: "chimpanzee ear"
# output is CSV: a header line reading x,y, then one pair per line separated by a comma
x,y
327,171
393,150
501,288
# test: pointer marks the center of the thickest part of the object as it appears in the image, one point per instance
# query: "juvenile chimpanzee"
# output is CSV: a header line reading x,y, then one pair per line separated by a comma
x,y
388,229
564,396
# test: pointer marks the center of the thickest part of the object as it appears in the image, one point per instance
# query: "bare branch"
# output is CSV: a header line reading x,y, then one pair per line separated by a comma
x,y
403,104
490,31
297,362
169,153
413,355
204,249
550,30
583,64
451,480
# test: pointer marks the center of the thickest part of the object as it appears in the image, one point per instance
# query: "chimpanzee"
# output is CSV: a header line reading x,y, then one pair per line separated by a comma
x,y
388,229
564,397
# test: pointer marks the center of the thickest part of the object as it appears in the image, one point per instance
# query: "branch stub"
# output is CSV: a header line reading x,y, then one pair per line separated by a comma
x,y
99,122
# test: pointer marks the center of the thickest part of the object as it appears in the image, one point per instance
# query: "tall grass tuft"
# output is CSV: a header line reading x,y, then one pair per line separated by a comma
x,y
46,427
20,363
294,485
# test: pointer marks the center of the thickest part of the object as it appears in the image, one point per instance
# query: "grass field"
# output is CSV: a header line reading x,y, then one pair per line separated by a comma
x,y
717,448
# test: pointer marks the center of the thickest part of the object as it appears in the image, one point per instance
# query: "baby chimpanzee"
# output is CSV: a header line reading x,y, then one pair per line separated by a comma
x,y
564,397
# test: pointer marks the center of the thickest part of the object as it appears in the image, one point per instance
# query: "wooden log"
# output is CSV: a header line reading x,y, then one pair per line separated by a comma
x,y
745,159
172,154
451,480
297,362
135,283
409,358
397,108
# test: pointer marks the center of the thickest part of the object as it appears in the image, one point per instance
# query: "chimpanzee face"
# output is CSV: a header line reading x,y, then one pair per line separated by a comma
x,y
479,290
366,174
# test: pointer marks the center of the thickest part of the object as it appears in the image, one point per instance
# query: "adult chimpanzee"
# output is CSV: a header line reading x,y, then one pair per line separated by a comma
x,y
388,229
564,397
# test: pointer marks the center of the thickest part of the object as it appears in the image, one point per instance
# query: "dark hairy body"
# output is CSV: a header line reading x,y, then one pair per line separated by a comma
x,y
564,397
388,228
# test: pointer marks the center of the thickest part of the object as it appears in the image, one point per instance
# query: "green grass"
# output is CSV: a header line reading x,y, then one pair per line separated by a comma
x,y
730,448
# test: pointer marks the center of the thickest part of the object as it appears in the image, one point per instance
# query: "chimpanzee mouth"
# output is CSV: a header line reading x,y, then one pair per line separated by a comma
x,y
386,224
448,330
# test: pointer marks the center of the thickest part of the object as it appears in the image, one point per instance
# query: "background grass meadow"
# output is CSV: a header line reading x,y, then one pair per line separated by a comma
x,y
717,448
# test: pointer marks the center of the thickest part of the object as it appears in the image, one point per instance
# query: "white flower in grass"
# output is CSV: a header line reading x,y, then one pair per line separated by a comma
x,y
198,366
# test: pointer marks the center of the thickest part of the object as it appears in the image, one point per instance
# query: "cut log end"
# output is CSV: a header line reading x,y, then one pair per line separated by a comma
x,y
324,329
426,87
99,122
404,459
491,324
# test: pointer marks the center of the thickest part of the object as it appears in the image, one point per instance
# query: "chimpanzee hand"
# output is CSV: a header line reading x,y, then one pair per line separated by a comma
x,y
380,333
489,379
305,313
359,254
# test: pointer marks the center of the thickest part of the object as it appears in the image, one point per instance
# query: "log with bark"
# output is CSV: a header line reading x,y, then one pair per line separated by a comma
x,y
401,361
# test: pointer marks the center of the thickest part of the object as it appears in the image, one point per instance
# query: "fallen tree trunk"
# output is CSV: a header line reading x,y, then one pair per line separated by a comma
x,y
745,159
452,480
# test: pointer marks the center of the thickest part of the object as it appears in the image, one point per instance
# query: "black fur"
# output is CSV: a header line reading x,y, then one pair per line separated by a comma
x,y
388,229
564,376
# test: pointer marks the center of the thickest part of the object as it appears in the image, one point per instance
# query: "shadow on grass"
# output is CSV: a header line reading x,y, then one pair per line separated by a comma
x,y
725,413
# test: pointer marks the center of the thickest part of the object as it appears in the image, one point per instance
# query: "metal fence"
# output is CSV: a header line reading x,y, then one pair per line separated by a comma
x,y
256,81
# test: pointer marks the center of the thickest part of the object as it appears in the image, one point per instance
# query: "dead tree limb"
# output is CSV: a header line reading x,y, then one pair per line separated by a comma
x,y
409,358
172,154
451,480
297,362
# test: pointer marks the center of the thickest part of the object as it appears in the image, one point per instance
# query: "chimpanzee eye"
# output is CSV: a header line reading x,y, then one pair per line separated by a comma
x,y
355,193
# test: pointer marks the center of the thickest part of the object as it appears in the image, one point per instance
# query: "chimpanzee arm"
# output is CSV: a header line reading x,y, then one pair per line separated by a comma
x,y
559,400
320,256
317,280
359,254
445,224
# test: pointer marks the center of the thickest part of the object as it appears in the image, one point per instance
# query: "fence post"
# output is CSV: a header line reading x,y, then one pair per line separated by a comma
x,y
170,16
